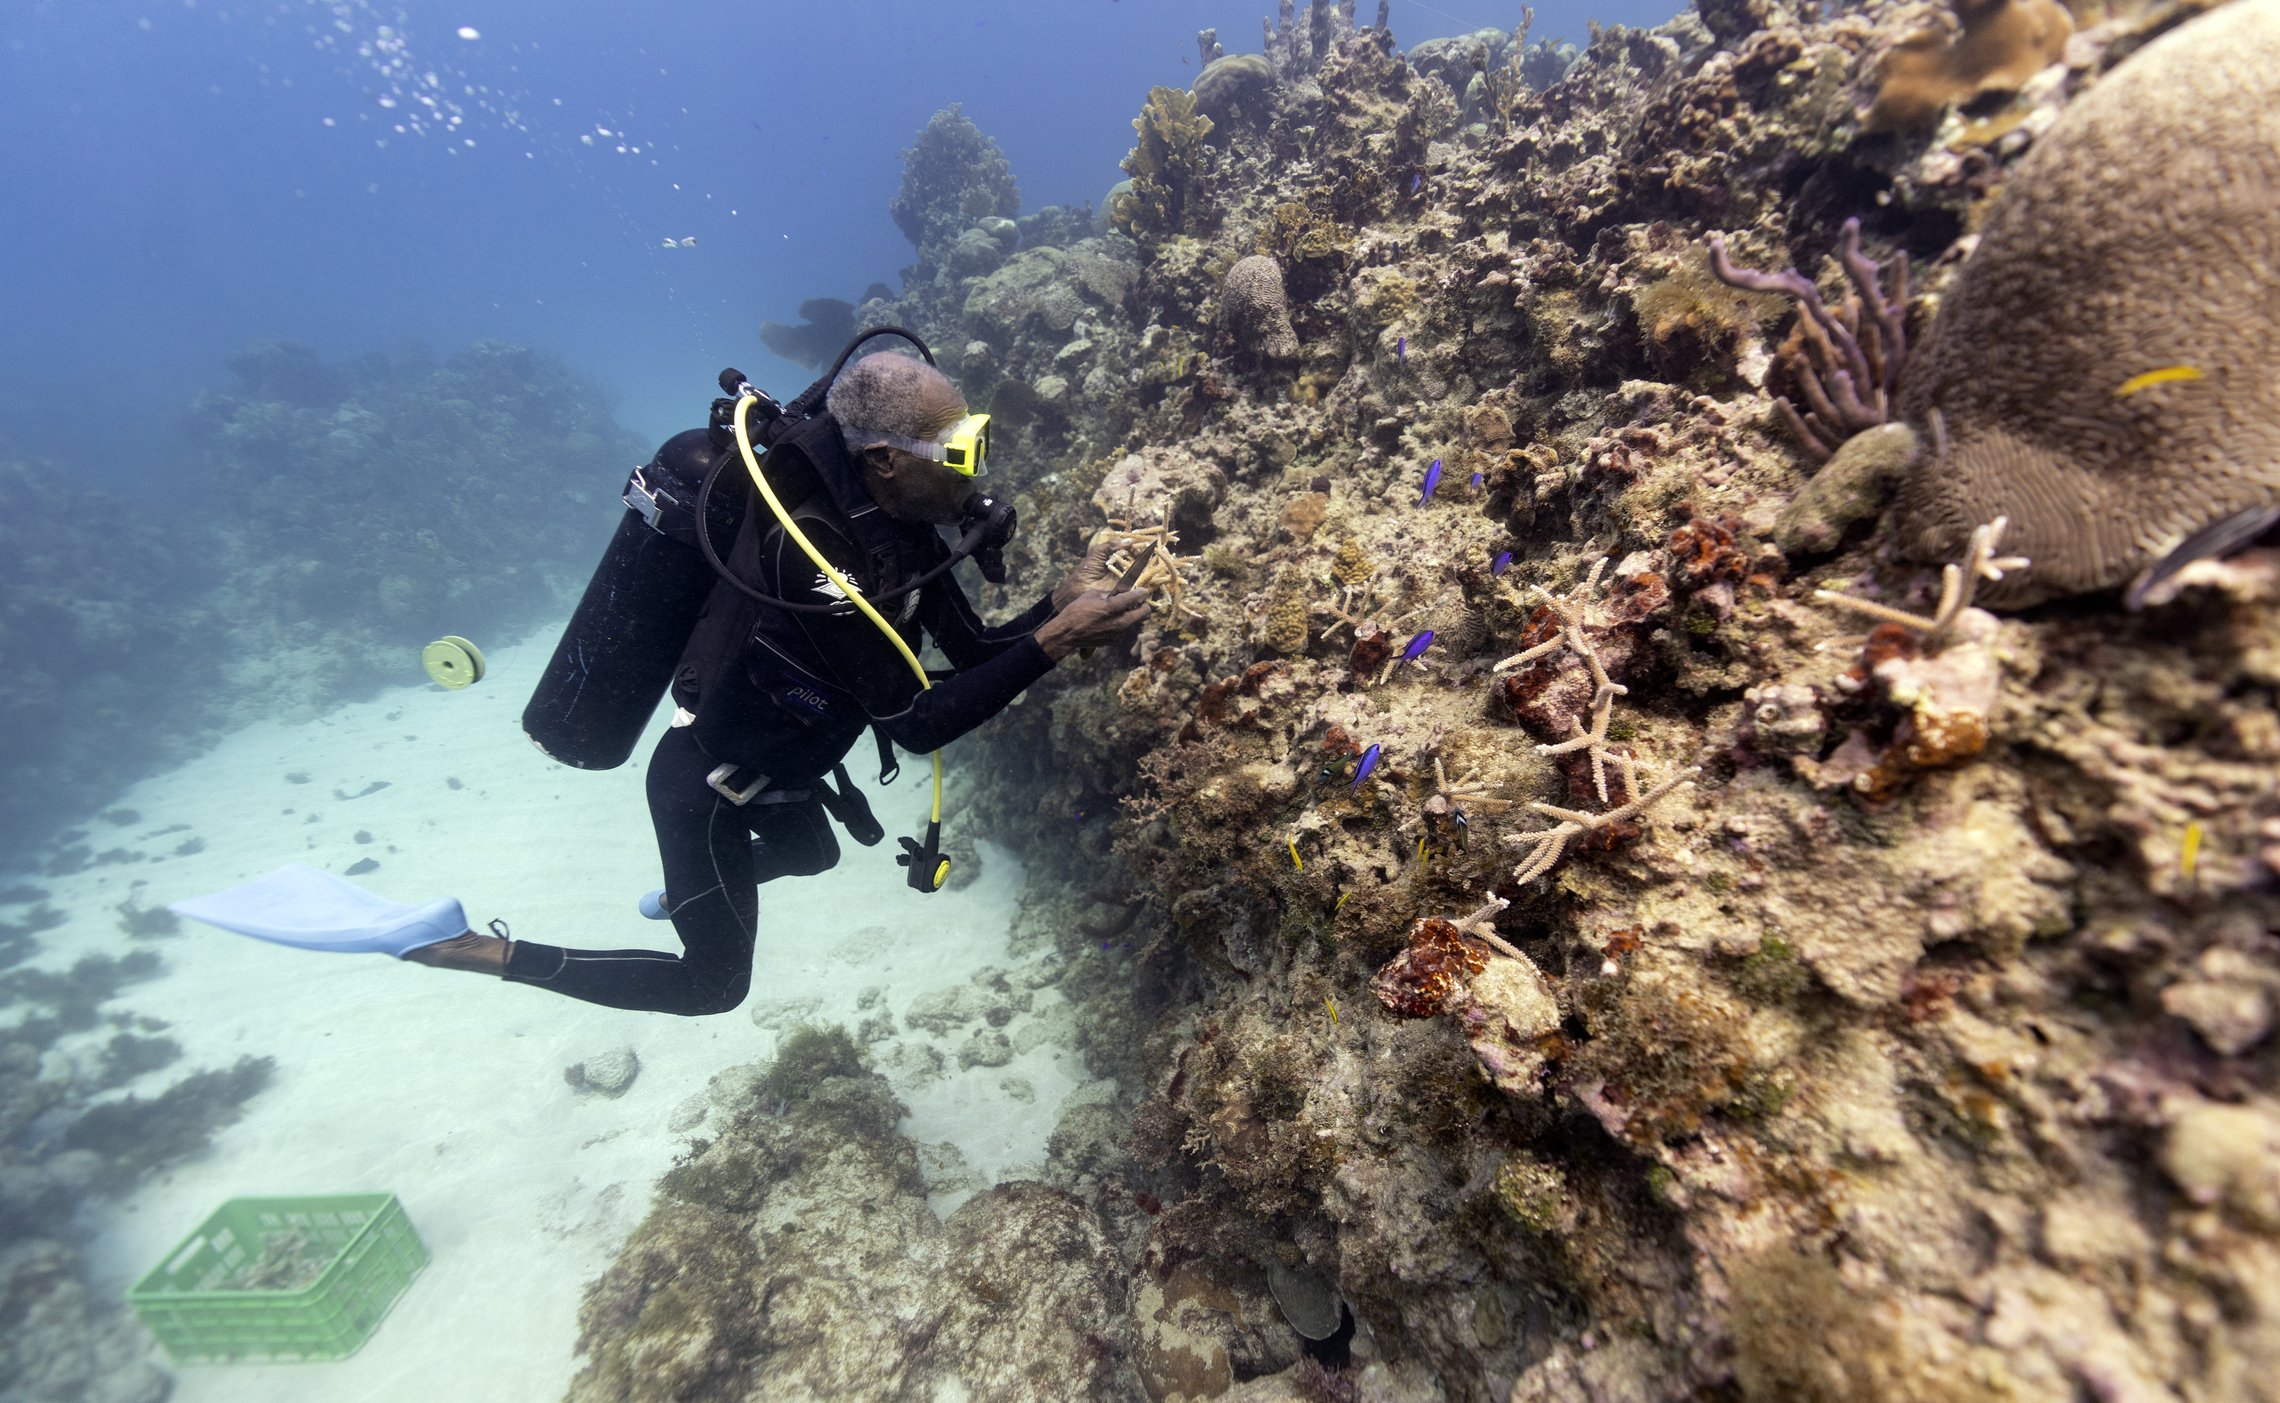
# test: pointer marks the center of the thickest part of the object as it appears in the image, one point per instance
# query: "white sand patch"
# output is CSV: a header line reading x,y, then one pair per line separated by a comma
x,y
446,1088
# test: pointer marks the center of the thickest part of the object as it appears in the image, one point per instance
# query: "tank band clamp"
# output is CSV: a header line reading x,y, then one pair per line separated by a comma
x,y
722,775
719,779
647,503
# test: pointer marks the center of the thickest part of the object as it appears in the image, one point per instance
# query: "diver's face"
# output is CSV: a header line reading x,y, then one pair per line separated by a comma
x,y
912,489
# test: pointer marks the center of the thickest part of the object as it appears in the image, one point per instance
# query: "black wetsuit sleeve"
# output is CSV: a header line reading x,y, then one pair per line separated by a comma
x,y
993,665
958,631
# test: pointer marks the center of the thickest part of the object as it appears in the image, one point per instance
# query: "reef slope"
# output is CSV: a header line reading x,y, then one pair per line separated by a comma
x,y
1800,1014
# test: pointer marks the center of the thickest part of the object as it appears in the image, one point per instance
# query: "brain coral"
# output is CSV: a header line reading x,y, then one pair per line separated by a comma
x,y
1256,308
2141,234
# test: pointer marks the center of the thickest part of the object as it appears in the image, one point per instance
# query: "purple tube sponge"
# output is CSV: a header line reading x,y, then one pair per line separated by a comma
x,y
1857,350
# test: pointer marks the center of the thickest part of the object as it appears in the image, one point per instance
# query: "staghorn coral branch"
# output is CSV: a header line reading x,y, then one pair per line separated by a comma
x,y
1530,655
1594,739
1571,611
1958,583
1550,843
1476,926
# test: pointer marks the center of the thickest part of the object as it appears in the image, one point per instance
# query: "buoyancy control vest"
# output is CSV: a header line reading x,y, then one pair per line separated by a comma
x,y
636,626
754,705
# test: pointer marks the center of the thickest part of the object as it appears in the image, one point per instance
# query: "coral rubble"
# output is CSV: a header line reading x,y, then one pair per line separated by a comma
x,y
1506,893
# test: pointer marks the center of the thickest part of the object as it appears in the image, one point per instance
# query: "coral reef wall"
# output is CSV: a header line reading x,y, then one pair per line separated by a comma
x,y
1525,920
336,519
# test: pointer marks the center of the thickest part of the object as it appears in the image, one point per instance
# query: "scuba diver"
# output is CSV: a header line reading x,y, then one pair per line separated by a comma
x,y
783,619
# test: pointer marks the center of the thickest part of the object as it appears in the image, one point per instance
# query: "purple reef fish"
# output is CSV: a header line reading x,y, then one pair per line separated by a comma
x,y
1415,181
1501,564
1400,350
1369,763
1417,646
1432,480
1476,479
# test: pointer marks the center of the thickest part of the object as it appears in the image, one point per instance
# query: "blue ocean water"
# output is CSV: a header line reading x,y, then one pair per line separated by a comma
x,y
185,175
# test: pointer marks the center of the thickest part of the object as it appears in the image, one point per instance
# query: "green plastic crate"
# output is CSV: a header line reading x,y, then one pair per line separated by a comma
x,y
375,1255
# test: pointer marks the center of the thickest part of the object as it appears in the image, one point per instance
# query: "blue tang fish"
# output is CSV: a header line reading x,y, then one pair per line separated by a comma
x,y
1369,763
1432,480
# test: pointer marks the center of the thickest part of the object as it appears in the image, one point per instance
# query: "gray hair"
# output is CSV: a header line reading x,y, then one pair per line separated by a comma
x,y
890,394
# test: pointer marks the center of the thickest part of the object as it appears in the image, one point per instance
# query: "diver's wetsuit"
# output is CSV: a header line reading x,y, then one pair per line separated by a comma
x,y
796,699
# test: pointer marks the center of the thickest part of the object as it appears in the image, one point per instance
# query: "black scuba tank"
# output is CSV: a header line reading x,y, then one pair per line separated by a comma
x,y
618,653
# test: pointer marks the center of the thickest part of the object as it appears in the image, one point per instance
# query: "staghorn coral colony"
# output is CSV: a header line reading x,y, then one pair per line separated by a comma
x,y
1598,906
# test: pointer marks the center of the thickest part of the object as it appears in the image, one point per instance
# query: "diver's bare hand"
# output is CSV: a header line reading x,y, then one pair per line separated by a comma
x,y
1090,572
1092,619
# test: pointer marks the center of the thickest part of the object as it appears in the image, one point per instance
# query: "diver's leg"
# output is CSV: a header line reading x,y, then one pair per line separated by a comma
x,y
478,954
707,850
792,840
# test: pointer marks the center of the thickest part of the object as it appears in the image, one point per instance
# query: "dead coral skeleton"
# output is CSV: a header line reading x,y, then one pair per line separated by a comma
x,y
1958,583
1859,347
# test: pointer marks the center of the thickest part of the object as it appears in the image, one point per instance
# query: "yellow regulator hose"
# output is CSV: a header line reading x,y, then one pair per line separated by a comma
x,y
854,595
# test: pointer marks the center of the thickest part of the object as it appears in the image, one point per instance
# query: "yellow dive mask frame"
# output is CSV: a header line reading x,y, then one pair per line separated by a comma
x,y
963,447
967,448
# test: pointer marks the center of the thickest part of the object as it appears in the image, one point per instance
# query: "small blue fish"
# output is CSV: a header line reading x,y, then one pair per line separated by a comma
x,y
1369,763
1401,350
1476,479
1432,480
1501,564
1416,646
1415,181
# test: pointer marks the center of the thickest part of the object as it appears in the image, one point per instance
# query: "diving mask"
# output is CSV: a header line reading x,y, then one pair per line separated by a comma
x,y
963,447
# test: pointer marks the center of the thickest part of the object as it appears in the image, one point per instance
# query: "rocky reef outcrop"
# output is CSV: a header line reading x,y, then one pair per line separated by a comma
x,y
1599,912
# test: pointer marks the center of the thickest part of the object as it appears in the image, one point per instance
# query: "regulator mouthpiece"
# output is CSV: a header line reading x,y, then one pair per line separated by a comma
x,y
985,526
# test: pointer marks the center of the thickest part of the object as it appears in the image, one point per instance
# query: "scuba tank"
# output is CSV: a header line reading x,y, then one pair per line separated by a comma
x,y
623,640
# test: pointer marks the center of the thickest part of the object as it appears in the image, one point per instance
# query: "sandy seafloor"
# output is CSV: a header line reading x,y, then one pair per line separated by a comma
x,y
447,1088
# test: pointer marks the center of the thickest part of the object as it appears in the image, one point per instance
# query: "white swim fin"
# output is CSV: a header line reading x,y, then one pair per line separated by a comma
x,y
312,910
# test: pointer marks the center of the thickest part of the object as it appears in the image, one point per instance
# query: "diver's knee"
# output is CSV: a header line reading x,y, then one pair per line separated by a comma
x,y
727,1000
